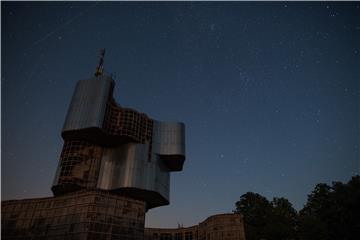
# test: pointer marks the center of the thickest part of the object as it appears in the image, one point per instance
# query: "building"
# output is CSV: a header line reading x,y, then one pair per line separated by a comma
x,y
117,149
115,165
110,152
216,227
86,214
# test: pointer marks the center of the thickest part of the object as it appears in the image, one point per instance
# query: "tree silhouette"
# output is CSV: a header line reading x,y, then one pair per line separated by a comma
x,y
282,220
331,212
267,220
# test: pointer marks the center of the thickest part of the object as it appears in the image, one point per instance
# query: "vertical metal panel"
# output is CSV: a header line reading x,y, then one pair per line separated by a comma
x,y
88,104
127,166
169,138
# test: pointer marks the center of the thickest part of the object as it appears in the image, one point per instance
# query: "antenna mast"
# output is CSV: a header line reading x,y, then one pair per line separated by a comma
x,y
100,67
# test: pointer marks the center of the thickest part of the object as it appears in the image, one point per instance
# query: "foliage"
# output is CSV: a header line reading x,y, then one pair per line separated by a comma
x,y
282,221
267,220
331,212
255,210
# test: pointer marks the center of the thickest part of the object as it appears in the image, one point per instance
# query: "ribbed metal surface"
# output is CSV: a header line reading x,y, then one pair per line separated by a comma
x,y
169,138
128,166
137,153
88,104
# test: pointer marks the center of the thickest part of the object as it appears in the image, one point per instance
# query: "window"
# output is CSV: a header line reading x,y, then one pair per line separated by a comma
x,y
188,236
166,236
178,236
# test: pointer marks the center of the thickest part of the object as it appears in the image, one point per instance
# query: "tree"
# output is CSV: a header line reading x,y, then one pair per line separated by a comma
x,y
255,210
267,220
352,213
332,212
282,220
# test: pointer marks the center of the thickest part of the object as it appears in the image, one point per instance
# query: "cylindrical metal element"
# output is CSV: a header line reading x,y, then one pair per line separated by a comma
x,y
117,149
128,171
88,104
169,143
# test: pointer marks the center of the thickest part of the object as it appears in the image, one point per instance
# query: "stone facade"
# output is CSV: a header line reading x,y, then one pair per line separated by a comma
x,y
217,227
82,215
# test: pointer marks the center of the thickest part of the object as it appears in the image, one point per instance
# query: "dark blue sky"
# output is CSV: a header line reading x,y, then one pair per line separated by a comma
x,y
269,92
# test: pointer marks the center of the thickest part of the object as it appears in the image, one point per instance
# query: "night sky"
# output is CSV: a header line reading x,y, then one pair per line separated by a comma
x,y
269,92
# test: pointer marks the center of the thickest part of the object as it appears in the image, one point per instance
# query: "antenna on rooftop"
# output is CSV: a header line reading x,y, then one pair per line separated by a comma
x,y
100,67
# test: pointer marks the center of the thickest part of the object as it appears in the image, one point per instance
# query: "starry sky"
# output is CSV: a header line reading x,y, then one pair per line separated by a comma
x,y
269,92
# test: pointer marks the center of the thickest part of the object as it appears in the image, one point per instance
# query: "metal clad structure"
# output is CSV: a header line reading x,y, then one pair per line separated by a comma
x,y
169,138
135,154
169,143
127,167
110,151
88,104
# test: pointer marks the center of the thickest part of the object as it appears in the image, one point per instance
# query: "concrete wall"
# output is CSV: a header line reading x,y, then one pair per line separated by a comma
x,y
217,227
82,215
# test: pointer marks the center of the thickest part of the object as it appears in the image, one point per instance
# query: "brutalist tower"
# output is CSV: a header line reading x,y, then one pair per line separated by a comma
x,y
115,164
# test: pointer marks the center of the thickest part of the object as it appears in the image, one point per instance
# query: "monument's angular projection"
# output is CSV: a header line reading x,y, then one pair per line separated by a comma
x,y
117,149
115,165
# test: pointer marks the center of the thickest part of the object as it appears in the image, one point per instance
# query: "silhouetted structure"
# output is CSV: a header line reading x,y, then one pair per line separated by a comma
x,y
117,149
115,165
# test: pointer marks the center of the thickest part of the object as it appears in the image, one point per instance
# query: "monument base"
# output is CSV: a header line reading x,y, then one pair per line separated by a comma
x,y
80,215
